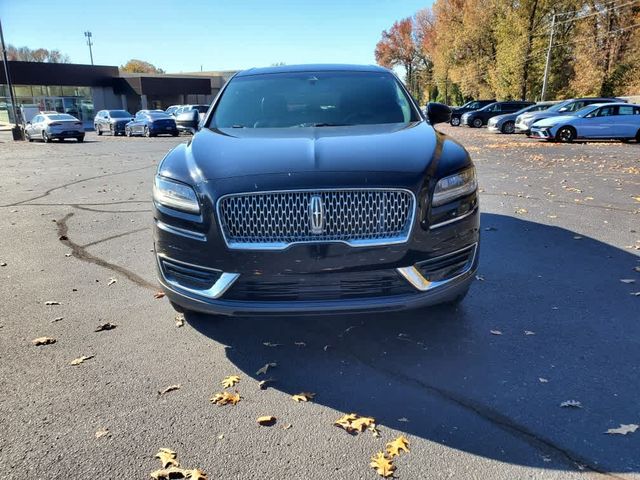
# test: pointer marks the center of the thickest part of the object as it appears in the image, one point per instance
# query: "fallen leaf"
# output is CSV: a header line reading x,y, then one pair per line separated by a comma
x,y
627,280
170,388
635,294
102,432
169,473
490,229
267,366
269,344
63,237
57,319
543,380
480,278
529,332
495,332
382,465
521,211
112,281
221,436
168,458
287,426
3,264
571,404
263,383
105,326
400,444
51,302
577,237
179,320
158,295
326,347
300,344
303,397
403,419
354,423
623,429
43,341
81,359
225,398
636,269
230,381
266,421
196,474
67,254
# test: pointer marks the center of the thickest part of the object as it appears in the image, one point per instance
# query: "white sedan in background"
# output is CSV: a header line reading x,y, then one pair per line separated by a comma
x,y
620,121
49,126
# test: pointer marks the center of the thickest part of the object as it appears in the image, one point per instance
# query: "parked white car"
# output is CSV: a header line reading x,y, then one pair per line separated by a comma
x,y
49,126
620,121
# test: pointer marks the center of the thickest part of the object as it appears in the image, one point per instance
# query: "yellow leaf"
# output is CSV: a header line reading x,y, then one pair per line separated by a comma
x,y
303,397
362,423
168,458
396,446
169,473
196,474
345,421
267,366
102,432
382,465
623,429
267,420
230,381
225,398
354,423
81,359
43,341
170,388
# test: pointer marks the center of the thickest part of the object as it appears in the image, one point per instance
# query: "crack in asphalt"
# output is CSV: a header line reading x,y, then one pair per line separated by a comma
x,y
80,252
75,182
99,210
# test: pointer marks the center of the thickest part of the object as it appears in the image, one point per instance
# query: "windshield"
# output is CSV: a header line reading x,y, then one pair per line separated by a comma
x,y
200,108
62,116
313,99
558,106
157,115
119,114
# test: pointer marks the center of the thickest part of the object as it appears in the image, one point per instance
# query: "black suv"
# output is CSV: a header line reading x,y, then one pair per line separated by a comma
x,y
112,121
457,112
313,189
481,117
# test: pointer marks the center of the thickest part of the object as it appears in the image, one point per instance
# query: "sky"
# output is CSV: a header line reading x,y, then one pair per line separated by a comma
x,y
189,35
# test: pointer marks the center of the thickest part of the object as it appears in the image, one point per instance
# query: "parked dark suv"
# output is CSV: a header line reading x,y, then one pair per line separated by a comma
x,y
315,189
457,112
111,121
481,117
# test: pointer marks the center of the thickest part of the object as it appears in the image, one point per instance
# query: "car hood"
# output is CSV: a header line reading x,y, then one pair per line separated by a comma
x,y
539,115
503,117
552,121
227,153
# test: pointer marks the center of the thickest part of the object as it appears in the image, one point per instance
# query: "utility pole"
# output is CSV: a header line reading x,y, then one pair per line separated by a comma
x,y
87,34
17,132
548,62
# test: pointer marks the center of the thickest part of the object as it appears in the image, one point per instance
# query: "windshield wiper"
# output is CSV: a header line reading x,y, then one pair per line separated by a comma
x,y
323,125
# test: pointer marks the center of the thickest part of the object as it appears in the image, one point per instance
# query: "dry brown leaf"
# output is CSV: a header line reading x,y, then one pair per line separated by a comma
x,y
51,302
263,384
400,444
102,432
627,280
267,366
158,295
43,341
303,396
105,326
354,423
169,473
571,404
230,381
111,282
179,320
362,423
81,359
543,380
167,457
636,269
170,388
495,332
269,344
57,319
623,429
266,421
521,211
529,332
196,474
225,398
382,465
287,426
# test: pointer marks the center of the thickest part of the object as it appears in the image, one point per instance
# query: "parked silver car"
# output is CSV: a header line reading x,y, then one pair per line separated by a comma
x,y
49,126
507,123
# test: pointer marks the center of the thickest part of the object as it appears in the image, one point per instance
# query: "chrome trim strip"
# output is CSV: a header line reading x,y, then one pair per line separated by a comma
x,y
181,231
415,278
215,291
452,220
275,246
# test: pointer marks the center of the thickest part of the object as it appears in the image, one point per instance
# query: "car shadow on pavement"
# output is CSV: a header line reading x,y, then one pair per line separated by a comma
x,y
548,320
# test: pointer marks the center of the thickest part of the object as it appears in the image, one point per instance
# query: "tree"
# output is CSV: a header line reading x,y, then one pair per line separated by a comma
x,y
397,48
42,55
139,66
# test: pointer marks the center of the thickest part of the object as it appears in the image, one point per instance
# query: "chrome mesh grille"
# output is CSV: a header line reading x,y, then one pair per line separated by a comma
x,y
273,220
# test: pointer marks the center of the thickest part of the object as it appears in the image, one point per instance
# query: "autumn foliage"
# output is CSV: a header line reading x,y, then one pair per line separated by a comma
x,y
460,49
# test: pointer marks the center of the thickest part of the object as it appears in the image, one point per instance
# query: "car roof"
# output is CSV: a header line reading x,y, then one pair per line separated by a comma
x,y
320,67
613,104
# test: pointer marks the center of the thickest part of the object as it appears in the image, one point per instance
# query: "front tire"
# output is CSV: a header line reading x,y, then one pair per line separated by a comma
x,y
566,135
455,121
508,127
46,138
98,131
127,132
147,132
80,139
477,122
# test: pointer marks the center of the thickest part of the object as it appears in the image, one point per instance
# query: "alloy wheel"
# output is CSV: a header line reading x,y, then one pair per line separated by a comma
x,y
477,122
508,127
455,122
566,135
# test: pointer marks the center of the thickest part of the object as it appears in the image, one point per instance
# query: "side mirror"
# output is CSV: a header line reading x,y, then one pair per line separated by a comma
x,y
438,113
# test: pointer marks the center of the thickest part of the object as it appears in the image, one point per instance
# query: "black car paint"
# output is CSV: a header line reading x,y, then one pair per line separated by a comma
x,y
219,162
484,114
457,112
152,123
188,121
104,122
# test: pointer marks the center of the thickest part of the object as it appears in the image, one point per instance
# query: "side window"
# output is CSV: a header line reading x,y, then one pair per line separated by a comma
x,y
636,110
626,110
575,106
606,111
474,105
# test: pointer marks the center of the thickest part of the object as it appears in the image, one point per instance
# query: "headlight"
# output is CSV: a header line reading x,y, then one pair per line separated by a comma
x,y
455,186
175,195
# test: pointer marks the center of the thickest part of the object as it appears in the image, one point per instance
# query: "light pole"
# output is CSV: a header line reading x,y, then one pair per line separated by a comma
x,y
87,34
548,61
17,133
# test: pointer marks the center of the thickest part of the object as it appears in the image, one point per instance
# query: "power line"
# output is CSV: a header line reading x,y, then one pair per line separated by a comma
x,y
599,12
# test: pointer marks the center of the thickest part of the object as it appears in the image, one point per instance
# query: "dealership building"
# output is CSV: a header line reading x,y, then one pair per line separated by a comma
x,y
83,90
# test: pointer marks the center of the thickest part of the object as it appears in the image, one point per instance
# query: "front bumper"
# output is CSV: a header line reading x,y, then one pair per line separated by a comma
x,y
522,127
494,127
544,134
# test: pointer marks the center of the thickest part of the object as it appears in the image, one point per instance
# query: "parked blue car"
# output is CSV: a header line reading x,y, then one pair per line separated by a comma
x,y
619,121
151,123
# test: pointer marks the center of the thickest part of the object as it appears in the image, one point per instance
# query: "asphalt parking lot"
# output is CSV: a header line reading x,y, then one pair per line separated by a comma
x,y
553,316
